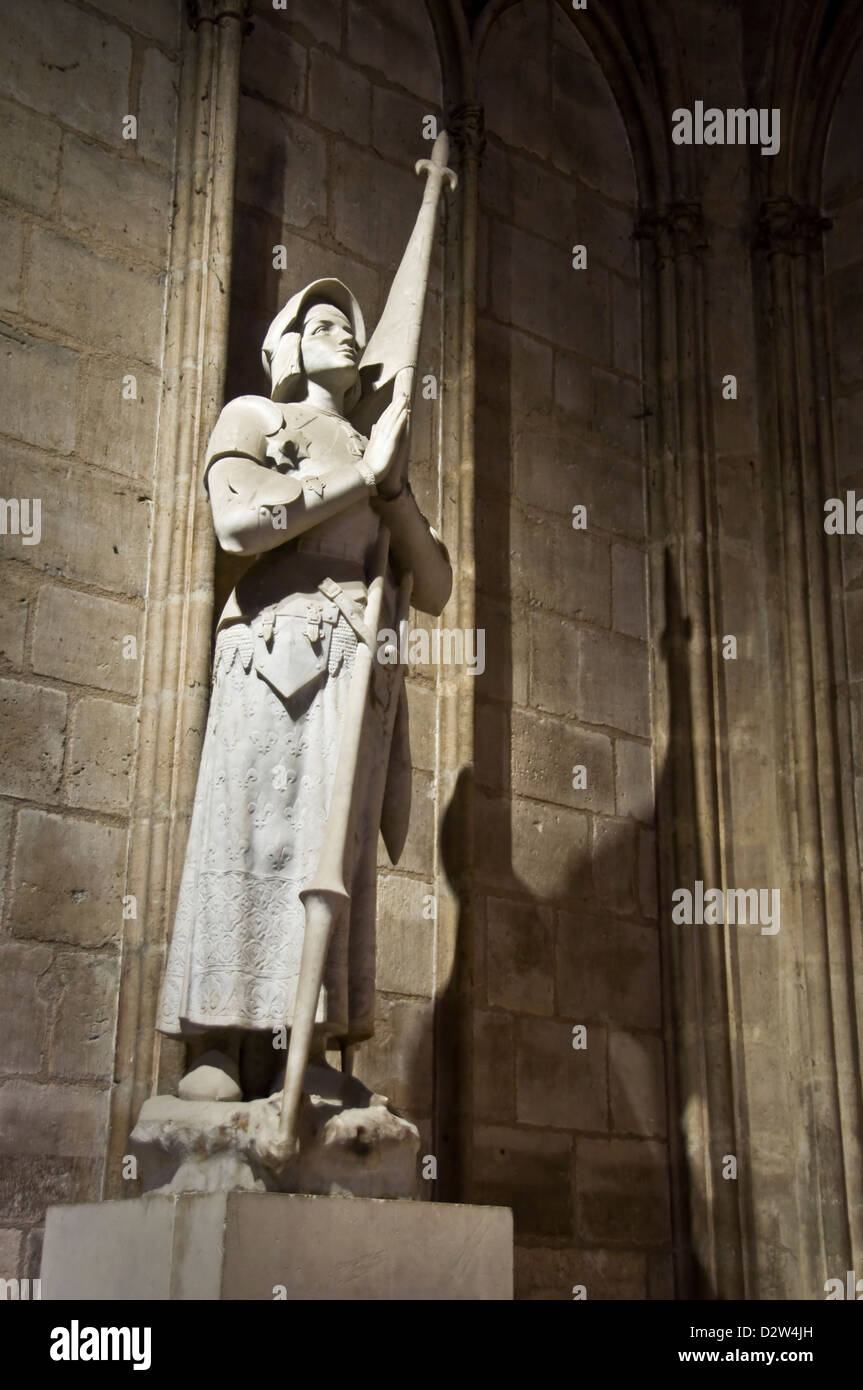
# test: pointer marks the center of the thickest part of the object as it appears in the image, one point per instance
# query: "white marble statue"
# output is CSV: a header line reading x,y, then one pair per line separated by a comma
x,y
306,753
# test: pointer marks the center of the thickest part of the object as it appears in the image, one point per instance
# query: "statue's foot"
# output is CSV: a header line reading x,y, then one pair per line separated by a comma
x,y
214,1076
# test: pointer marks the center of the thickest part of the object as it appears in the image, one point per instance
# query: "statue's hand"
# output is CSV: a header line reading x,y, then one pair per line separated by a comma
x,y
387,447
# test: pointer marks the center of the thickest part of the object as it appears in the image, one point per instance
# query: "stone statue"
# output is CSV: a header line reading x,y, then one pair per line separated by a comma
x,y
306,754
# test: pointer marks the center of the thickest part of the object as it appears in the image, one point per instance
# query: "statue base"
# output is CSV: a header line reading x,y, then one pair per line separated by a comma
x,y
266,1246
350,1143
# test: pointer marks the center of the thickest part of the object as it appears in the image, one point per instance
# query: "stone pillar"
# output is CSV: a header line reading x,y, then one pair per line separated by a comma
x,y
690,804
454,934
816,796
175,683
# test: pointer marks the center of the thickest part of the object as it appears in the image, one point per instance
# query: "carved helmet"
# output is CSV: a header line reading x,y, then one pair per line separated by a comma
x,y
281,350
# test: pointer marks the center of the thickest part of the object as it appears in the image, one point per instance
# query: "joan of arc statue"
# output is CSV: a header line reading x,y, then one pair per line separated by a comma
x,y
294,486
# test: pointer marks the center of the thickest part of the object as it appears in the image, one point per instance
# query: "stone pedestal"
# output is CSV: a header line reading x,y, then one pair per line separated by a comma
x,y
265,1245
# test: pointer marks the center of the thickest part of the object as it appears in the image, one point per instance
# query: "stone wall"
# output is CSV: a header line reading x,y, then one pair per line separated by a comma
x,y
86,220
572,1138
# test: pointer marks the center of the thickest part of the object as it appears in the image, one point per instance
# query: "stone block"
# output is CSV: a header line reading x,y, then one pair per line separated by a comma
x,y
660,1276
506,653
534,287
68,879
374,206
91,93
847,290
608,232
60,1121
309,19
157,107
422,717
113,431
555,649
405,936
615,864
12,231
493,1066
611,681
79,638
549,1275
119,201
274,66
520,955
608,970
636,1071
555,566
418,853
23,1005
397,1061
544,753
647,874
7,811
101,755
10,1248
30,1181
629,586
340,98
622,1191
531,195
609,484
518,106
32,736
13,616
90,531
514,376
285,169
529,1170
29,411
94,300
618,408
550,848
589,137
158,19
633,779
397,125
29,157
573,384
396,40
250,1245
626,326
82,1043
557,1085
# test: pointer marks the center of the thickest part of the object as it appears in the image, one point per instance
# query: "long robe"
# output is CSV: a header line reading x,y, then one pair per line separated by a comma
x,y
281,678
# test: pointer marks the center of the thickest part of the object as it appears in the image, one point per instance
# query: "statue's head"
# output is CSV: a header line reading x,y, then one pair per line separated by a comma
x,y
318,336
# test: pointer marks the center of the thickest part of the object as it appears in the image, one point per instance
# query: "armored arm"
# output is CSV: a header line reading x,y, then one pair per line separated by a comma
x,y
415,546
256,507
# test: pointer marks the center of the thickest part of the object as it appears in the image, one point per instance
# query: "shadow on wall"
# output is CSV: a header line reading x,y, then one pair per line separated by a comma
x,y
550,1059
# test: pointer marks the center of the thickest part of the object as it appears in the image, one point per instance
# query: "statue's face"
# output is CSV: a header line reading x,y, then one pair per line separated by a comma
x,y
328,347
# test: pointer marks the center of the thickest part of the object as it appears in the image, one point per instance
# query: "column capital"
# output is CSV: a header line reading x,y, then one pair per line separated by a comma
x,y
791,227
466,125
214,11
677,228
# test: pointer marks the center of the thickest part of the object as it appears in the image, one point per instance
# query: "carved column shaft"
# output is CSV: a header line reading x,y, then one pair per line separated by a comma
x,y
455,917
817,799
697,982
176,653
